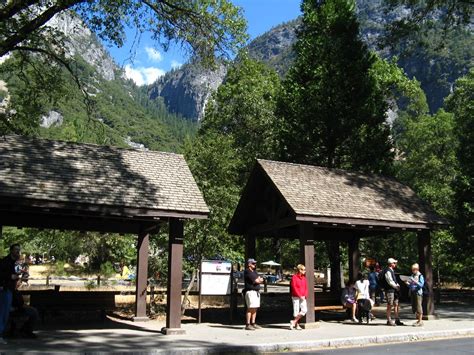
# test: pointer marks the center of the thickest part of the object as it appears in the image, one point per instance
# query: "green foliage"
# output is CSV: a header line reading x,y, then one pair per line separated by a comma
x,y
59,268
237,128
204,27
435,158
332,111
90,284
428,161
107,269
112,111
451,14
244,108
395,85
461,104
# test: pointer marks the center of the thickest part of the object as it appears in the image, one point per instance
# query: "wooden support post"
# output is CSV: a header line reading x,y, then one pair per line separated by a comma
x,y
354,258
426,268
307,258
250,246
175,275
142,277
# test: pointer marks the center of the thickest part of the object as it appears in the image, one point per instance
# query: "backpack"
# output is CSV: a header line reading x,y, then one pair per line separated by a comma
x,y
381,281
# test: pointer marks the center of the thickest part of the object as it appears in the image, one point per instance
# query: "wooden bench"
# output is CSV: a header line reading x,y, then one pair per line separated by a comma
x,y
54,300
326,301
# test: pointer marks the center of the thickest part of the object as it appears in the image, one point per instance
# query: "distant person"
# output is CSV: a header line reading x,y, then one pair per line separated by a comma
x,y
299,293
252,284
373,284
380,290
392,291
125,274
9,276
348,299
415,284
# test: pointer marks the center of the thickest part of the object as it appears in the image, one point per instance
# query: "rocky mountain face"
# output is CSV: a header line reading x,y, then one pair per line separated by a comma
x,y
81,41
186,90
436,70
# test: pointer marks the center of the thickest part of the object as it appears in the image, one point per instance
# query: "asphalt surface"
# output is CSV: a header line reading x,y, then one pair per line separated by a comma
x,y
446,346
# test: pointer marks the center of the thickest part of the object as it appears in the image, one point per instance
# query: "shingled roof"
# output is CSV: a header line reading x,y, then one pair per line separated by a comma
x,y
82,175
325,195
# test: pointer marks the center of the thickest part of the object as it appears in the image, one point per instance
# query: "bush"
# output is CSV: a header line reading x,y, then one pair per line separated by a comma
x,y
107,269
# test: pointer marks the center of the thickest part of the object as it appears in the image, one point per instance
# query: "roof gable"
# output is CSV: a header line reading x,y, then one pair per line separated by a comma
x,y
322,192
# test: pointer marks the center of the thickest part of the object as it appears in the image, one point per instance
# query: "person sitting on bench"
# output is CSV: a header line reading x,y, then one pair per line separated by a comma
x,y
28,315
348,299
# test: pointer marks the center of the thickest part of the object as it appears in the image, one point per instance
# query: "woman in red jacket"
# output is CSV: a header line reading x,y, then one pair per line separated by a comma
x,y
299,292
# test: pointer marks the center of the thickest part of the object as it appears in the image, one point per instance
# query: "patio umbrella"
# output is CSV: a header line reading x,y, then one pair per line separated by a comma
x,y
270,263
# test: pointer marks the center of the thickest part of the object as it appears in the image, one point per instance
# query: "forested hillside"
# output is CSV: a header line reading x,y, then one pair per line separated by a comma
x,y
94,102
436,66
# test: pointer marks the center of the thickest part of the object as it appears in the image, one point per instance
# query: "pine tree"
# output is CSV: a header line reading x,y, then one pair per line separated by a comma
x,y
332,110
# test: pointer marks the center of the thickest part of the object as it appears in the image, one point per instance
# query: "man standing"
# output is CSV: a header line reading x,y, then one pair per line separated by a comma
x,y
9,277
252,295
392,292
416,283
299,292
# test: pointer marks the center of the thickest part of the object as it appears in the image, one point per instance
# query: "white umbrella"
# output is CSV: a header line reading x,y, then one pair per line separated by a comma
x,y
271,263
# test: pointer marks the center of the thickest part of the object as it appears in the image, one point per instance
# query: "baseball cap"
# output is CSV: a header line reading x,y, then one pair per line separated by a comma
x,y
251,261
392,261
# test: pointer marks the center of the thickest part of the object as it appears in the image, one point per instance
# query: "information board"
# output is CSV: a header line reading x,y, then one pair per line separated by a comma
x,y
216,277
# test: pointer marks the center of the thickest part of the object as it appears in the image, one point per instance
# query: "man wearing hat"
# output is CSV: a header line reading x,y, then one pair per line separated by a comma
x,y
392,292
252,296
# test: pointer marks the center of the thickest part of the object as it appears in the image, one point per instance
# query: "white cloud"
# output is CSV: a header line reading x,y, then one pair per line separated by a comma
x,y
175,64
153,54
5,57
143,75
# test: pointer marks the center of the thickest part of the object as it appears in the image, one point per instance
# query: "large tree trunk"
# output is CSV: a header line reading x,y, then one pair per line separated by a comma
x,y
335,263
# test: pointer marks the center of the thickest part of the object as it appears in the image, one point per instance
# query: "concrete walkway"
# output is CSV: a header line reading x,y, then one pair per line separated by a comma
x,y
125,336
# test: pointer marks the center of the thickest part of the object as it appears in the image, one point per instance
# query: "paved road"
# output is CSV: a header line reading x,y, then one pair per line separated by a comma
x,y
437,347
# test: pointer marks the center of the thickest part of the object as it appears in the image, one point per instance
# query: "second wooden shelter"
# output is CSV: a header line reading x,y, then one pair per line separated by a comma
x,y
285,200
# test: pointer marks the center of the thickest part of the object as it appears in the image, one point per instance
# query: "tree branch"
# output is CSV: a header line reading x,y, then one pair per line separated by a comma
x,y
24,32
14,7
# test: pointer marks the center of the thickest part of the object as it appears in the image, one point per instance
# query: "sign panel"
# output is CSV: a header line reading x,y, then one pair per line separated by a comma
x,y
216,267
215,277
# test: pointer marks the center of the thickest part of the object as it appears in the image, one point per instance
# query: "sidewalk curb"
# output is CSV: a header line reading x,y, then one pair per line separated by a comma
x,y
321,344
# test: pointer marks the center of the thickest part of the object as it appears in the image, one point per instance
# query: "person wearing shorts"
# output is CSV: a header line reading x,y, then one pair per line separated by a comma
x,y
252,294
415,284
392,293
299,293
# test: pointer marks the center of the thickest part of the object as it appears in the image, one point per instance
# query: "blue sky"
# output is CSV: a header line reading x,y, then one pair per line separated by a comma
x,y
150,61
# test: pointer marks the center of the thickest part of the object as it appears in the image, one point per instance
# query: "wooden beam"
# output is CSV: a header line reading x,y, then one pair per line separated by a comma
x,y
307,258
175,274
77,223
354,258
11,203
364,223
425,261
142,277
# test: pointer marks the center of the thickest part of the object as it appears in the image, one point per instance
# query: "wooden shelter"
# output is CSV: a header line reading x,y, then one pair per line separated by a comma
x,y
285,200
85,187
